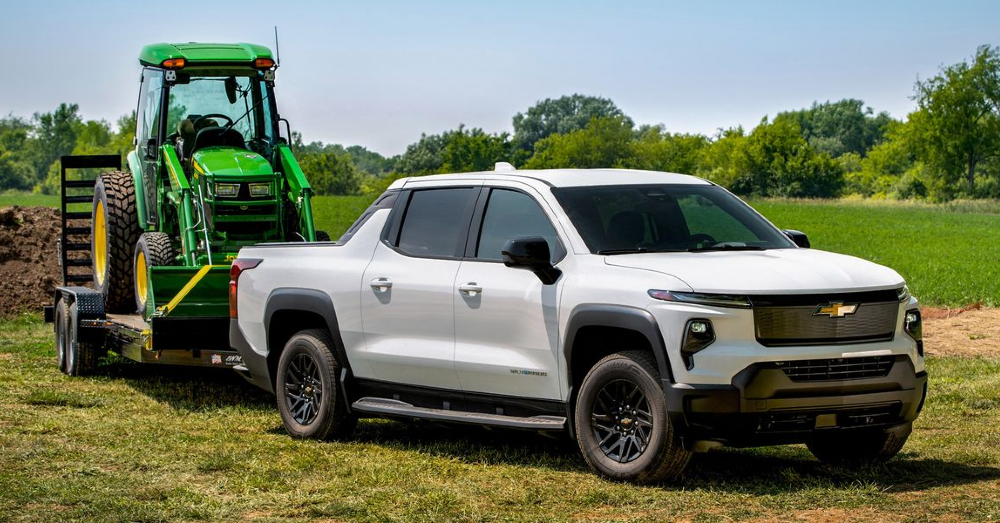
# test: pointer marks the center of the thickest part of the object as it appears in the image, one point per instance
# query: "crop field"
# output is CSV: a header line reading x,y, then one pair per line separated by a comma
x,y
138,443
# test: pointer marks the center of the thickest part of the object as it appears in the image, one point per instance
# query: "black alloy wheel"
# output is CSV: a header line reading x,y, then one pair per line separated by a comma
x,y
303,389
622,421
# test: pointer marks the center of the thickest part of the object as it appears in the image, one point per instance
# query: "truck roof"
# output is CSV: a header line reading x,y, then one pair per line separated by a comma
x,y
566,177
204,53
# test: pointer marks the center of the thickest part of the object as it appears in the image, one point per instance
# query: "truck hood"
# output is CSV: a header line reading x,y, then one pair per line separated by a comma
x,y
775,271
230,162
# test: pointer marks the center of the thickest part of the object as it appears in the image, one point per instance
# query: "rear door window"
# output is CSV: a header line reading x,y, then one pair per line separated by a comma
x,y
436,222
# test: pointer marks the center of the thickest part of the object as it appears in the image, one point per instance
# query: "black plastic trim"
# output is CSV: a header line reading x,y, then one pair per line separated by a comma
x,y
599,315
305,300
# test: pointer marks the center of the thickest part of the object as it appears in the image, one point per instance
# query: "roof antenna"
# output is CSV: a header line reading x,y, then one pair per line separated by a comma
x,y
277,51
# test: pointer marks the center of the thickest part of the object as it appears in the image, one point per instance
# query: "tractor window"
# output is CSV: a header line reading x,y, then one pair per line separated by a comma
x,y
199,103
149,105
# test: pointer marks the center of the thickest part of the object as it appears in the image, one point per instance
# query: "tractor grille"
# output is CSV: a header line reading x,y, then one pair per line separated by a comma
x,y
798,320
804,371
250,209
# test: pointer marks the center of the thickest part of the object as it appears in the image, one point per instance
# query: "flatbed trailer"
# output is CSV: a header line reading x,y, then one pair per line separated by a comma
x,y
187,318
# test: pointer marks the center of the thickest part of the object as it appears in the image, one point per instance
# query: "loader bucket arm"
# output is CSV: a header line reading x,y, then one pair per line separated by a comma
x,y
299,191
180,194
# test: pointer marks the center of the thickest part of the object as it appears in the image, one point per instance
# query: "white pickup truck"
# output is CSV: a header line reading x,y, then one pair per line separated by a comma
x,y
648,315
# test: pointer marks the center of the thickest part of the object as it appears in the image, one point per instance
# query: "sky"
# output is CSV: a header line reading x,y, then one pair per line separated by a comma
x,y
380,73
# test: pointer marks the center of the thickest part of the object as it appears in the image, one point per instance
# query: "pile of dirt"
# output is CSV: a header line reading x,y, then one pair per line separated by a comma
x,y
29,258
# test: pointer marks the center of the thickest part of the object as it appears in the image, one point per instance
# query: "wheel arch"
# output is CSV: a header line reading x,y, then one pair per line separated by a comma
x,y
587,318
291,310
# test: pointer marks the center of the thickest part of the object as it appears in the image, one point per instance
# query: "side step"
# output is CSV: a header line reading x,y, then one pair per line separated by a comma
x,y
388,407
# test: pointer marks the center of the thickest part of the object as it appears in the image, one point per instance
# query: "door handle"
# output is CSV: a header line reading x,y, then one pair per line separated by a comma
x,y
470,289
381,285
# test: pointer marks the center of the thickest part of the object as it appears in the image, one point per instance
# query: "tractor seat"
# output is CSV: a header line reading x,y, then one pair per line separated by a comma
x,y
215,136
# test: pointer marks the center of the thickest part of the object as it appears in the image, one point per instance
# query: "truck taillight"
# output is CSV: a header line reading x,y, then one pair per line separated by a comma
x,y
239,265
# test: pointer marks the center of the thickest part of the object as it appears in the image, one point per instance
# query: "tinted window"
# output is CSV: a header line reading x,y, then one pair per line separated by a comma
x,y
435,221
509,215
665,218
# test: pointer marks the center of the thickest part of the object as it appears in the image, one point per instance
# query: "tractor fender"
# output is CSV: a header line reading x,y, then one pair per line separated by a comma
x,y
135,168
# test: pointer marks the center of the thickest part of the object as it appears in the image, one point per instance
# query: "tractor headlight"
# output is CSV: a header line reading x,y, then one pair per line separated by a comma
x,y
260,189
227,190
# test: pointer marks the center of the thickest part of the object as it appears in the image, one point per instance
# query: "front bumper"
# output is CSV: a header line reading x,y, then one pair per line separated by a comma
x,y
763,406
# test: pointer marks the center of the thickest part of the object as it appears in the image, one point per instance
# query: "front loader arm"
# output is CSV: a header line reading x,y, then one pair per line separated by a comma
x,y
180,189
299,191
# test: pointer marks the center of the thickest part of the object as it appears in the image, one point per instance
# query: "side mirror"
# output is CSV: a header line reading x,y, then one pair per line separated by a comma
x,y
231,88
531,253
152,149
798,238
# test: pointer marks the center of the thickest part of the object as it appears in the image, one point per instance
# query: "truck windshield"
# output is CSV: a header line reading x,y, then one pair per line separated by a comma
x,y
623,219
232,97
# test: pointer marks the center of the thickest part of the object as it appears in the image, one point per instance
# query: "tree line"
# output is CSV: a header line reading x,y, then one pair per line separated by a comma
x,y
946,148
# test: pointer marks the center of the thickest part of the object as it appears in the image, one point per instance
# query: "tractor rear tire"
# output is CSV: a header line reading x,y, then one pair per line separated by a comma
x,y
322,236
114,231
152,250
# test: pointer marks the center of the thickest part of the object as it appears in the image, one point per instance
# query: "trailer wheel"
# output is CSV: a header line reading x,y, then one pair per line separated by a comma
x,y
81,357
115,230
61,327
153,249
308,393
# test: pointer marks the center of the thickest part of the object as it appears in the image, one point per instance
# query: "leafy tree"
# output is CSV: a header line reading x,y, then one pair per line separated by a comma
x,y
332,173
846,126
16,168
657,150
562,115
474,150
425,156
54,136
603,142
957,122
775,160
371,162
717,157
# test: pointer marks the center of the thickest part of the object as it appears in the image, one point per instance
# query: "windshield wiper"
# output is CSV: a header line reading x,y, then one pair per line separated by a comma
x,y
636,250
726,247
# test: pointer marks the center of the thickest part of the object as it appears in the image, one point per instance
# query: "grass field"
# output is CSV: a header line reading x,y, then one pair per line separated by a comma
x,y
948,253
152,444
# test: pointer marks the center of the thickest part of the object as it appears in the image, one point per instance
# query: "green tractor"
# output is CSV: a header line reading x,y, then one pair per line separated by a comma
x,y
210,173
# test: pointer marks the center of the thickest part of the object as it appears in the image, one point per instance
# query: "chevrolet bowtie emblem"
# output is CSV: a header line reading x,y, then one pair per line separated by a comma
x,y
835,310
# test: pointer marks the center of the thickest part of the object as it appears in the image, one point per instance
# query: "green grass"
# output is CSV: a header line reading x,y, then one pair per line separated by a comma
x,y
25,199
141,443
947,253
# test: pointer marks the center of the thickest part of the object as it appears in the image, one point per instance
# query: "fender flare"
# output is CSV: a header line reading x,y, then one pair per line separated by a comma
x,y
622,317
305,300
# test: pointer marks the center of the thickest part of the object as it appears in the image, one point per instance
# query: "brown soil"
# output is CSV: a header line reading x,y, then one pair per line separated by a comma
x,y
29,258
967,332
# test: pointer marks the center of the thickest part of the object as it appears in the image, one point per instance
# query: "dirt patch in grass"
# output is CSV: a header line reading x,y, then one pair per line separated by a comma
x,y
972,331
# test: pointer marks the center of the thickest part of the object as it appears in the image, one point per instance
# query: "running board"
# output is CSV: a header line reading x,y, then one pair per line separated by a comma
x,y
388,407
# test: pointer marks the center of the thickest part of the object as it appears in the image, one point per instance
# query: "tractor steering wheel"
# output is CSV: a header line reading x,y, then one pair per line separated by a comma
x,y
229,121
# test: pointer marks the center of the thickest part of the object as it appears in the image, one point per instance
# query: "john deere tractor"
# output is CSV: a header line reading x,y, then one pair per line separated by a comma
x,y
210,173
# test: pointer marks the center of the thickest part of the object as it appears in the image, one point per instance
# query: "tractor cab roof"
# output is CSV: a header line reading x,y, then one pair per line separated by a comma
x,y
195,54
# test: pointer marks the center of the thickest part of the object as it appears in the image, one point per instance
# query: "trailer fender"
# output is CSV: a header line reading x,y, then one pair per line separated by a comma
x,y
89,306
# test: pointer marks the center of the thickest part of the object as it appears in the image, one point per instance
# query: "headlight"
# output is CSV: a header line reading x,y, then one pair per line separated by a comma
x,y
698,334
914,326
903,293
260,189
227,190
714,300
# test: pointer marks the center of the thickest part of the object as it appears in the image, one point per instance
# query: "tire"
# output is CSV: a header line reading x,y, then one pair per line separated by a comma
x,y
308,361
81,357
322,236
61,327
855,449
114,231
153,249
652,451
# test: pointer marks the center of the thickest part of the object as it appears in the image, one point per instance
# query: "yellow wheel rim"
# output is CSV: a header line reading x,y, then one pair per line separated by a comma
x,y
100,244
141,283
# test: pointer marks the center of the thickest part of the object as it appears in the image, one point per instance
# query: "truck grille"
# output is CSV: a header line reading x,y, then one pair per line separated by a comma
x,y
821,319
837,369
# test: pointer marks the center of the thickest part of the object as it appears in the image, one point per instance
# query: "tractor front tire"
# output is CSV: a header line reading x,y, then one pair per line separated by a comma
x,y
152,250
114,232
